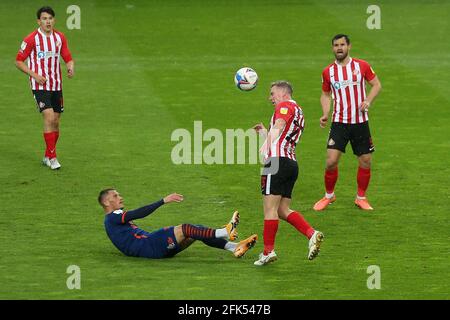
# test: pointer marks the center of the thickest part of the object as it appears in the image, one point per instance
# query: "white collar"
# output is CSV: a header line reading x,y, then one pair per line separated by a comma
x,y
43,33
350,61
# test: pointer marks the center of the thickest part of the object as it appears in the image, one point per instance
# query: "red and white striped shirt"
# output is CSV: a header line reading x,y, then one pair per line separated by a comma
x,y
284,145
43,54
347,84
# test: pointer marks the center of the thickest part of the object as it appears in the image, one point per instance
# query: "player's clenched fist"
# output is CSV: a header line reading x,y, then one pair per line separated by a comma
x,y
323,121
259,127
40,79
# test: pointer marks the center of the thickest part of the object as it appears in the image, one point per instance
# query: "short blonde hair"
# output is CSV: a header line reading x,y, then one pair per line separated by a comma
x,y
283,84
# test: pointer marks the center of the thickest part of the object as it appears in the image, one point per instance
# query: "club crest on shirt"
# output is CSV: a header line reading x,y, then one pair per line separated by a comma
x,y
58,44
355,72
171,243
284,110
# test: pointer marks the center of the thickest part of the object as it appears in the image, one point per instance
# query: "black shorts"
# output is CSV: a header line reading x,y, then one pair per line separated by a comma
x,y
49,99
279,176
358,134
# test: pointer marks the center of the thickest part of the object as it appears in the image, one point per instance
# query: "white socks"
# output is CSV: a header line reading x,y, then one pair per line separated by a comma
x,y
230,246
329,195
221,233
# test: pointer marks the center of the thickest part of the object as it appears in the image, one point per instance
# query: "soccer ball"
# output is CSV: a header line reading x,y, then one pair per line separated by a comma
x,y
246,79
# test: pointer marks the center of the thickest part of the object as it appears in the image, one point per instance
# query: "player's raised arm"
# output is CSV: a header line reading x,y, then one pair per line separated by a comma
x,y
259,128
141,212
325,101
147,210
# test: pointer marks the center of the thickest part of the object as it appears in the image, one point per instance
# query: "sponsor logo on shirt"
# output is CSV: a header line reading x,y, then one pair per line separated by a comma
x,y
47,54
344,84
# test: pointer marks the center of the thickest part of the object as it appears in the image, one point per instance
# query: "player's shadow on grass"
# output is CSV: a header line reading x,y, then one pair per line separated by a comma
x,y
185,258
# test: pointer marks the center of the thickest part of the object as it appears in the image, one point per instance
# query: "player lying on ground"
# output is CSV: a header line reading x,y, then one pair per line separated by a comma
x,y
165,242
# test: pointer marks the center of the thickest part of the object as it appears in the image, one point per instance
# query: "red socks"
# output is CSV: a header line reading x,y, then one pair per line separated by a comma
x,y
50,140
270,231
296,219
331,177
363,179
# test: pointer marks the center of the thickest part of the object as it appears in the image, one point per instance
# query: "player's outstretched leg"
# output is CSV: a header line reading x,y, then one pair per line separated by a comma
x,y
245,245
198,232
238,249
314,244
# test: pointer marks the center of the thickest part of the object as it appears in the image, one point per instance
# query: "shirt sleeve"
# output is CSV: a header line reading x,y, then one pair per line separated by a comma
x,y
25,49
283,111
65,52
141,212
326,84
369,74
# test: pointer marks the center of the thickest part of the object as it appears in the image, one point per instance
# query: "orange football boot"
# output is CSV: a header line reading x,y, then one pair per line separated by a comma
x,y
232,225
245,245
363,204
323,203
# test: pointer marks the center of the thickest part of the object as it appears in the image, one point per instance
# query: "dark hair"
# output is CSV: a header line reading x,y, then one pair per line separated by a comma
x,y
340,35
47,10
283,84
103,194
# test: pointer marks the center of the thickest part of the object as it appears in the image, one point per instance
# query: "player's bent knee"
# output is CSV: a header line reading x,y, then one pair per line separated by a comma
x,y
283,213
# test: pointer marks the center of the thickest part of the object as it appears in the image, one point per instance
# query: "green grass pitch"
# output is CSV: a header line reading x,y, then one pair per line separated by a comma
x,y
146,68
